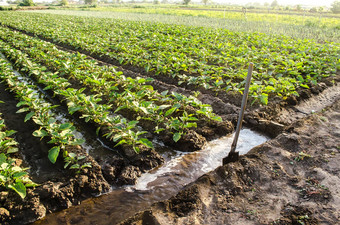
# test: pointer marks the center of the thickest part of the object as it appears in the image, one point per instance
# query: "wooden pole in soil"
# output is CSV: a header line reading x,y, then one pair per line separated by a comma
x,y
233,155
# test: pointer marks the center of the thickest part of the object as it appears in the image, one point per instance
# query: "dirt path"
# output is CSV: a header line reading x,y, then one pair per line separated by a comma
x,y
292,179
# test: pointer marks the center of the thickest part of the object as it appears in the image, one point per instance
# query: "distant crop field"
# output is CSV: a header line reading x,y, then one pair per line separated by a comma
x,y
320,28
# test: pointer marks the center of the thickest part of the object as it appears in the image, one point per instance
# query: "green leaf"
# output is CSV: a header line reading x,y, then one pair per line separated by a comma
x,y
3,178
141,132
3,158
137,150
120,108
30,183
12,150
19,188
176,136
164,107
304,86
38,121
121,142
86,165
264,99
53,141
77,142
23,110
177,105
21,103
164,93
10,133
53,154
189,125
81,157
74,109
2,135
144,110
217,118
141,80
133,123
117,137
178,96
19,174
72,155
28,116
65,126
75,166
51,121
66,164
192,119
40,133
97,131
159,130
170,111
146,142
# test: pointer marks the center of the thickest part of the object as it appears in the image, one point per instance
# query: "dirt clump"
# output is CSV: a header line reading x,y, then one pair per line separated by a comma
x,y
292,179
191,141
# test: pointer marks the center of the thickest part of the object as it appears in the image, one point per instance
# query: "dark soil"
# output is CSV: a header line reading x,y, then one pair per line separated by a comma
x,y
292,179
207,129
59,188
262,118
34,151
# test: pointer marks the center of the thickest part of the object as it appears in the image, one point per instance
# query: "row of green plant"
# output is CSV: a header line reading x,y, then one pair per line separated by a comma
x,y
117,128
215,59
12,176
60,135
125,93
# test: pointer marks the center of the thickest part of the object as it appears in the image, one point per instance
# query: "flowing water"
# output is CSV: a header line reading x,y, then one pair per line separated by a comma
x,y
159,184
180,169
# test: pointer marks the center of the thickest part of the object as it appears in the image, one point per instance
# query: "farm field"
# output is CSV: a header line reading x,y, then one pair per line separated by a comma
x,y
318,27
96,102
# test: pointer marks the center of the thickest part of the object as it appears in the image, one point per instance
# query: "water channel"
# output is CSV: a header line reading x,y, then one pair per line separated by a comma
x,y
159,184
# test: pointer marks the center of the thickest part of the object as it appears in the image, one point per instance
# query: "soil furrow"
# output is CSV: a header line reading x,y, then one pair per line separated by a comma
x,y
226,105
133,71
127,168
33,150
292,179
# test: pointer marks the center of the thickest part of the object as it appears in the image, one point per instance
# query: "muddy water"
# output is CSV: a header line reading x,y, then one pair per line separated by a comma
x,y
161,183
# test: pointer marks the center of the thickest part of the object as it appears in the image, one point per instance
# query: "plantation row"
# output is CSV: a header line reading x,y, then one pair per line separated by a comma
x,y
12,176
214,59
60,135
87,105
160,113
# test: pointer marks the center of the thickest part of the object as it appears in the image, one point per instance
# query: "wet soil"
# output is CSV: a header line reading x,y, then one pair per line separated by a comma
x,y
292,179
194,140
288,180
277,176
226,105
35,149
59,188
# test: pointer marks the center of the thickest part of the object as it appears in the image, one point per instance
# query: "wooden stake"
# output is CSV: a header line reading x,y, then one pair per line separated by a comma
x,y
233,155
